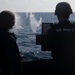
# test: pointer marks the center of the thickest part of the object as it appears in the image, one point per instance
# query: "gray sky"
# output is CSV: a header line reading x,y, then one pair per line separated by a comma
x,y
32,5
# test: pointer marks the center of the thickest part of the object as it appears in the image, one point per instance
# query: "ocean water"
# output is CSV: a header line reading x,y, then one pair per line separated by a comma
x,y
27,26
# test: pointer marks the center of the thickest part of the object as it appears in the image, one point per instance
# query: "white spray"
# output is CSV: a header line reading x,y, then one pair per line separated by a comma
x,y
17,25
34,23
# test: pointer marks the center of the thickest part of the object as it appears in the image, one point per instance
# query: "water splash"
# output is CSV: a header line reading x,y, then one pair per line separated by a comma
x,y
34,23
17,25
27,14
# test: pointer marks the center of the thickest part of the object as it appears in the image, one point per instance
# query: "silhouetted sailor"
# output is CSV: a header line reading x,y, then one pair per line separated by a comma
x,y
61,39
10,63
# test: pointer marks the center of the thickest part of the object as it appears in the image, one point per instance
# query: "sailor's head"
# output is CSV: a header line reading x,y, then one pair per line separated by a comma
x,y
7,19
63,9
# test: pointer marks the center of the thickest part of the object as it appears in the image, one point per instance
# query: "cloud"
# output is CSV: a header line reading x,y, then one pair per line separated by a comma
x,y
5,5
31,5
25,5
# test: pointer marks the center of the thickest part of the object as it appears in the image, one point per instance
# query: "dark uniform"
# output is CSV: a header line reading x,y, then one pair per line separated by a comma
x,y
61,41
9,54
10,62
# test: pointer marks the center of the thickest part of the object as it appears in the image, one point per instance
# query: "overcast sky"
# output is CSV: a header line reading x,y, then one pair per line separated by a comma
x,y
32,5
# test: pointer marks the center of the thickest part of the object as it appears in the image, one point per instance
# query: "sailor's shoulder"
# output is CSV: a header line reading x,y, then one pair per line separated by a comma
x,y
55,25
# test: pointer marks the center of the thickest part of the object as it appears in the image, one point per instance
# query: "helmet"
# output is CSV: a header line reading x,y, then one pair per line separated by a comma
x,y
7,19
7,15
63,9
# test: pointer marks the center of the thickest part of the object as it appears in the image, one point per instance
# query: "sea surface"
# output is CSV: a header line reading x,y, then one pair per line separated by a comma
x,y
27,26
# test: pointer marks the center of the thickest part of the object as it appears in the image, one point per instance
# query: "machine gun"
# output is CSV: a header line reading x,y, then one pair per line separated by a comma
x,y
41,39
